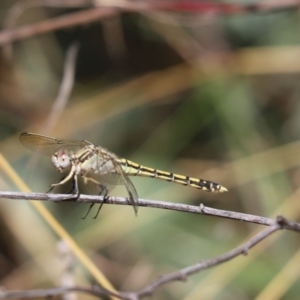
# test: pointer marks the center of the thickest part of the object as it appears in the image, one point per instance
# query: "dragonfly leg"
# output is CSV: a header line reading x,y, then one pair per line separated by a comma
x,y
74,189
71,175
52,187
104,192
92,204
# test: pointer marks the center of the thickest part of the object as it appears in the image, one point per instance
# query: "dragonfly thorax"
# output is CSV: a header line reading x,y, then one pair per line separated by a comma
x,y
61,160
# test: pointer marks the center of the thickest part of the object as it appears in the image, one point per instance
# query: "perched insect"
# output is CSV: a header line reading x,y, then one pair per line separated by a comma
x,y
101,167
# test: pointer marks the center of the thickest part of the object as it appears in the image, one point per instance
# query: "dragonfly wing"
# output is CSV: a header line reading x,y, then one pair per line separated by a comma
x,y
133,195
109,172
48,145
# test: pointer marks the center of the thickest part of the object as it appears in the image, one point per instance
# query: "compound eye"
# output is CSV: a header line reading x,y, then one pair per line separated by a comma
x,y
61,160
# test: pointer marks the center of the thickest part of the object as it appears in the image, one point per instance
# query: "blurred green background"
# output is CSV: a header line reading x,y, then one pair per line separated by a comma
x,y
208,95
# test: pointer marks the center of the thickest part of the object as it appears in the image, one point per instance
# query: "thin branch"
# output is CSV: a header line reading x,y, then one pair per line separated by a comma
x,y
180,275
67,261
66,21
184,273
65,87
201,209
20,7
44,293
94,15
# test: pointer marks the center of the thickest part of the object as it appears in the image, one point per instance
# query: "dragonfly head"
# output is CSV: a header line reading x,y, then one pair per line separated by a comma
x,y
61,160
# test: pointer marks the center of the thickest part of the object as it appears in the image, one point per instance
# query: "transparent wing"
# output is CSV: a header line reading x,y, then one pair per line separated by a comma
x,y
48,145
109,172
120,177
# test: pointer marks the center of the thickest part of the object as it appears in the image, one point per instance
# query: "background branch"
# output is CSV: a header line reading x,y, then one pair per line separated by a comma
x,y
66,21
65,89
180,275
96,291
184,273
96,14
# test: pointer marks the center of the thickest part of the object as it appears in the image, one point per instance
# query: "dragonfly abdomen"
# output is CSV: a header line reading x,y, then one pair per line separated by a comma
x,y
134,169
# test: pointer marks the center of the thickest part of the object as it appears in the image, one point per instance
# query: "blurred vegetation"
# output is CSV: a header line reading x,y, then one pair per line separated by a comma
x,y
207,95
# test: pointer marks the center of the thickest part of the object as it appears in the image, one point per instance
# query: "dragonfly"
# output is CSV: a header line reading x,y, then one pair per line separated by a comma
x,y
102,168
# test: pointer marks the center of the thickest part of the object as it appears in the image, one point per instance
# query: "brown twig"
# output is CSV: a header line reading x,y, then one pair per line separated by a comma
x,y
184,273
66,21
96,14
20,7
143,203
45,293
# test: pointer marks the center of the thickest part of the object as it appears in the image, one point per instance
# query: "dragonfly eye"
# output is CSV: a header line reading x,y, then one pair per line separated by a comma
x,y
61,160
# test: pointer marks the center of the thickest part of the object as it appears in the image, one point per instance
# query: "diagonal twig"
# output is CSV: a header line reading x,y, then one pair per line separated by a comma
x,y
65,89
80,18
184,273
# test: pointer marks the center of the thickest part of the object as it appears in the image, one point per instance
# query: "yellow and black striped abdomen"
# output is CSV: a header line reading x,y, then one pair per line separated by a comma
x,y
134,169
